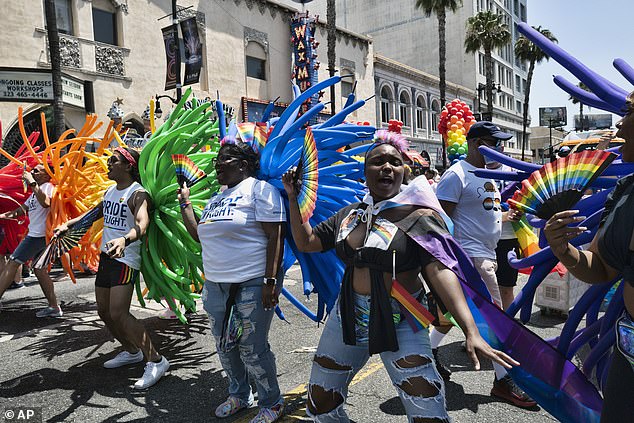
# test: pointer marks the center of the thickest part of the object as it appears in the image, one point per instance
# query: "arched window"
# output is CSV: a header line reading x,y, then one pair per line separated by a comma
x,y
435,114
421,114
256,61
386,99
404,106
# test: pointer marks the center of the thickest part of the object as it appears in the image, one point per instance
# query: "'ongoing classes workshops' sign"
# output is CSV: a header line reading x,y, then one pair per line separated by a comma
x,y
36,86
304,55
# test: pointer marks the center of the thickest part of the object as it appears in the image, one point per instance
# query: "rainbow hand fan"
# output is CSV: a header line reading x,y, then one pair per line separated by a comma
x,y
186,170
307,172
559,185
528,241
59,245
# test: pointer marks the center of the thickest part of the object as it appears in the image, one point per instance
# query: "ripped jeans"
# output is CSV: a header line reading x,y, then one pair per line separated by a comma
x,y
411,369
252,354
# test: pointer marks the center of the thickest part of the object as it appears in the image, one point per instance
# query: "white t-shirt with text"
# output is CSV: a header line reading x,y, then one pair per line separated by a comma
x,y
232,238
477,216
37,213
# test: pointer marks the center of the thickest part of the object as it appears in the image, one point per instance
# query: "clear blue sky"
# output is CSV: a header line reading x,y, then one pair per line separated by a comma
x,y
594,32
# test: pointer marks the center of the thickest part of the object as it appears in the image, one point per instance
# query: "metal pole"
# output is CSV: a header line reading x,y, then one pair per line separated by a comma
x,y
550,137
178,52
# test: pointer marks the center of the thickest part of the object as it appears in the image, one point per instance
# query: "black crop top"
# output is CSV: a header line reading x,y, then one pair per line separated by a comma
x,y
384,238
376,254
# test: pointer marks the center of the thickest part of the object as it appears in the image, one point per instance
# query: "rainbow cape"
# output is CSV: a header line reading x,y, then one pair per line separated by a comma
x,y
545,373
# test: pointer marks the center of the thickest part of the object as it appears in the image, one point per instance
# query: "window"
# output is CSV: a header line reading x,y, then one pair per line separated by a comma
x,y
518,83
523,12
421,109
435,113
64,17
386,98
518,106
346,88
523,86
256,61
481,65
404,106
516,7
104,25
255,68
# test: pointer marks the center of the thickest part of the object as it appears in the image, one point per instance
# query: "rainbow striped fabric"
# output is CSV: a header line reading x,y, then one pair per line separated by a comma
x,y
416,314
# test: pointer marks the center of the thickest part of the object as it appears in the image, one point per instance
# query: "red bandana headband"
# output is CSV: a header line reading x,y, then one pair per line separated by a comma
x,y
126,154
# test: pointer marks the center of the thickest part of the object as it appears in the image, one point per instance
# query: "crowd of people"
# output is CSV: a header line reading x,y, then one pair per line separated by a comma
x,y
242,229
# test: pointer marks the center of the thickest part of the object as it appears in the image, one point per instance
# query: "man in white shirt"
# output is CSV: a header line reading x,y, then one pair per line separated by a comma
x,y
37,206
474,205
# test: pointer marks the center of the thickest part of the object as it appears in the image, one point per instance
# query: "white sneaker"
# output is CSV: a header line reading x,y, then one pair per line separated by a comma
x,y
50,312
124,358
153,372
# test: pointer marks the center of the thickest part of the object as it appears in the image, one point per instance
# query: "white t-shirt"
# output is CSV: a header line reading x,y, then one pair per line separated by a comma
x,y
37,213
507,227
118,220
233,241
477,217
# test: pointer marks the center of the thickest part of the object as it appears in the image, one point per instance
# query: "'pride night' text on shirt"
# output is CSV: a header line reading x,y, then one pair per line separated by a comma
x,y
115,214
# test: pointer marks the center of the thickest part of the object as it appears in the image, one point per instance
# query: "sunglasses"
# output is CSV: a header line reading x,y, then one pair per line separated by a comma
x,y
223,159
36,171
493,142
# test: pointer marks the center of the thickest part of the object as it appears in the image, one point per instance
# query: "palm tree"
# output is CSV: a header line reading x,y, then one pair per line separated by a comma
x,y
331,27
487,31
56,67
439,8
527,51
575,100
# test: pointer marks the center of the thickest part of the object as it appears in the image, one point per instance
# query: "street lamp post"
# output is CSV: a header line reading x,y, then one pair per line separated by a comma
x,y
481,87
158,112
178,53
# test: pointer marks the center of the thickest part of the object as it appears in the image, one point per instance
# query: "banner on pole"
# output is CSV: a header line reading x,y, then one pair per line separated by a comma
x,y
193,50
169,39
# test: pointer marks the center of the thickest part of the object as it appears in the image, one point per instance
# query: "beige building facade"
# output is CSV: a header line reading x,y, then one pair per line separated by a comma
x,y
117,46
404,34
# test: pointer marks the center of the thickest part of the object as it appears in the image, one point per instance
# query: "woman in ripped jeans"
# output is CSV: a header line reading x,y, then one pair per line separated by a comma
x,y
367,320
241,234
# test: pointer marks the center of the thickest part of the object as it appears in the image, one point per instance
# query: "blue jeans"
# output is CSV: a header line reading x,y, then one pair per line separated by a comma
x,y
30,248
351,358
252,354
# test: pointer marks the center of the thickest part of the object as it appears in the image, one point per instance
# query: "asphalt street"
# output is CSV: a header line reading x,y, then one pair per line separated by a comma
x,y
57,364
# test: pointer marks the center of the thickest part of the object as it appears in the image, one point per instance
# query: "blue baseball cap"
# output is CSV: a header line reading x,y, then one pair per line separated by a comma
x,y
487,129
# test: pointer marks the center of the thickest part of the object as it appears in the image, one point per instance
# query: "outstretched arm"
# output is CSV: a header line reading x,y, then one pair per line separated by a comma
x,y
446,284
20,211
64,226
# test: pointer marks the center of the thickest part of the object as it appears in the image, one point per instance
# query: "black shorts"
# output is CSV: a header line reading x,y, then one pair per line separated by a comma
x,y
506,275
113,273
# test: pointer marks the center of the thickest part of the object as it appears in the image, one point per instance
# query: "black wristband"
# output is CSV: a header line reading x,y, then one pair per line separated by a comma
x,y
128,241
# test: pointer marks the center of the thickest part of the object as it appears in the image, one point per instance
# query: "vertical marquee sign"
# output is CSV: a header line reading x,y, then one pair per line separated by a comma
x,y
304,55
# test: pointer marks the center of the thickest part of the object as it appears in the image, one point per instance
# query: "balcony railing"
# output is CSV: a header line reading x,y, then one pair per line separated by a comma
x,y
89,56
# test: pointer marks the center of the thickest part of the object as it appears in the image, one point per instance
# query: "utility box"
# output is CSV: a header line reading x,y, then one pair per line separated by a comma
x,y
559,294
